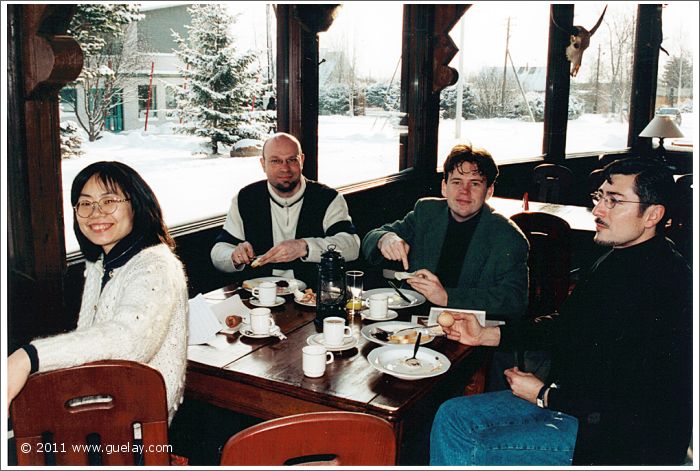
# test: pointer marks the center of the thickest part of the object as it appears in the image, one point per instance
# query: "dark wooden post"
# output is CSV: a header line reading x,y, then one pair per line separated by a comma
x,y
297,74
556,103
40,61
645,71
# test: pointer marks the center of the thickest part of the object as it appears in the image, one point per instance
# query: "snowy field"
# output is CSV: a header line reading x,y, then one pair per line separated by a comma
x,y
192,185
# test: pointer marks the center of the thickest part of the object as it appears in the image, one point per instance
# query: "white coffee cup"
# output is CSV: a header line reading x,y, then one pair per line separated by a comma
x,y
314,360
335,331
261,320
378,306
266,293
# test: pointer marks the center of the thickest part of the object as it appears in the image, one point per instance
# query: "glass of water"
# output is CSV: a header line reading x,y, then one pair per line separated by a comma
x,y
354,285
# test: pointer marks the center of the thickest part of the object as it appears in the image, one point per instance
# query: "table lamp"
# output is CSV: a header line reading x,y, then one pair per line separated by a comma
x,y
661,127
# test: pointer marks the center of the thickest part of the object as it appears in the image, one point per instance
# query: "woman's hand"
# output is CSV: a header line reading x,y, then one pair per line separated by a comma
x,y
18,369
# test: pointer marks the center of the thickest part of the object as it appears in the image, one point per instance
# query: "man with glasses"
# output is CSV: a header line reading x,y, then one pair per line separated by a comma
x,y
620,388
284,223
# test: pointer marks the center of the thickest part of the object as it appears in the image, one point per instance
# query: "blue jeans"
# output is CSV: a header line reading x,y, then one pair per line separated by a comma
x,y
500,429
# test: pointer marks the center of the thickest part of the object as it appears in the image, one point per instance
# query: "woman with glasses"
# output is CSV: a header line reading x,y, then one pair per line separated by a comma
x,y
134,304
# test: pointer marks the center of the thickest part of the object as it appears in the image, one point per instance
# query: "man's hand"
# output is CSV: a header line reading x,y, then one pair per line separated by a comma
x,y
467,330
524,385
429,285
285,252
394,247
243,254
18,368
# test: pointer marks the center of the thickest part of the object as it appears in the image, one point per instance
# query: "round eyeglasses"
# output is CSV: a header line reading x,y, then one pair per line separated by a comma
x,y
85,208
610,201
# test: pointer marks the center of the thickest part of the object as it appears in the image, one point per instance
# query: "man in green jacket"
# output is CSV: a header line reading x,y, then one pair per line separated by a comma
x,y
464,254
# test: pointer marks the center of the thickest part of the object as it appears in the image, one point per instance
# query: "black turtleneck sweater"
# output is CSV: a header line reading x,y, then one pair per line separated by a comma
x,y
454,249
622,356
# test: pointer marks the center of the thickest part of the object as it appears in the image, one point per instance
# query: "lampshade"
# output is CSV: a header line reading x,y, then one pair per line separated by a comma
x,y
661,126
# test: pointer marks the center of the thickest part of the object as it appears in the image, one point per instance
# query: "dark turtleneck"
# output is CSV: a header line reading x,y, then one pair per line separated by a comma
x,y
121,253
454,248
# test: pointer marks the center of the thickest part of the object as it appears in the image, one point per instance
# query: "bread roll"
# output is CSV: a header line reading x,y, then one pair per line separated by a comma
x,y
445,319
233,321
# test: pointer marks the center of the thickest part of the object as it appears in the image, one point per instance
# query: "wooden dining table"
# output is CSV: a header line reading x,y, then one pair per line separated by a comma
x,y
264,378
580,218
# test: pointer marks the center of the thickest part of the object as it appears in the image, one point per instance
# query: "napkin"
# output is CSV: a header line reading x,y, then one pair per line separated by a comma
x,y
203,324
231,306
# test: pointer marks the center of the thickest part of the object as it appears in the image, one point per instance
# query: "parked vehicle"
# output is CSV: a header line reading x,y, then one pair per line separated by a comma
x,y
675,113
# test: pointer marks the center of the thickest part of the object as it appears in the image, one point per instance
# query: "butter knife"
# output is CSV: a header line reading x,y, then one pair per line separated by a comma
x,y
398,291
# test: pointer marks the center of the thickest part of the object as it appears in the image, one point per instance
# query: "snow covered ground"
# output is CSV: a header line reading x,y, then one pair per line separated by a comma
x,y
192,185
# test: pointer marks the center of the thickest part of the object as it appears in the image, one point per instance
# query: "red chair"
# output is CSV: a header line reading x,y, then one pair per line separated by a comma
x,y
101,404
315,438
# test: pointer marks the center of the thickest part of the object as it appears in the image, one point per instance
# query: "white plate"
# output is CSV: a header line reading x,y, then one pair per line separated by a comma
x,y
392,360
391,326
395,302
246,331
317,339
389,315
256,302
305,304
248,285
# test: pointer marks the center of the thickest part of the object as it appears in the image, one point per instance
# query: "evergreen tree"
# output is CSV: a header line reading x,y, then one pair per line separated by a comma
x,y
70,140
448,103
678,66
108,57
220,85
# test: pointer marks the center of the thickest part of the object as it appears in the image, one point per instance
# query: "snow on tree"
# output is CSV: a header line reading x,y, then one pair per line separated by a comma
x,y
220,84
109,56
71,141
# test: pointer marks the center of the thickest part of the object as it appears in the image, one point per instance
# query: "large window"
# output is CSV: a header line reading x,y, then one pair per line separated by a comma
x,y
674,93
600,93
359,93
191,182
502,64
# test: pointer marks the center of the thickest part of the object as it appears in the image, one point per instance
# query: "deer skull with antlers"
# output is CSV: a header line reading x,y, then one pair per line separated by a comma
x,y
580,40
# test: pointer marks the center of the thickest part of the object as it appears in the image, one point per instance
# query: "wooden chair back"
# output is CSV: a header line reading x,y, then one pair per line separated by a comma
x,y
100,404
551,183
316,438
549,260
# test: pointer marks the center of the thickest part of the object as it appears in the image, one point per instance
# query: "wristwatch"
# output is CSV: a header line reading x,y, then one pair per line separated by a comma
x,y
543,391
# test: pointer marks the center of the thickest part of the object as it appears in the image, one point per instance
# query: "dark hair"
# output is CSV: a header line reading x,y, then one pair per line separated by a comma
x,y
148,217
653,182
465,153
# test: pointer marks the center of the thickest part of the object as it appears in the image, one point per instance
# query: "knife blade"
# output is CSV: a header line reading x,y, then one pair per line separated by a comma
x,y
398,291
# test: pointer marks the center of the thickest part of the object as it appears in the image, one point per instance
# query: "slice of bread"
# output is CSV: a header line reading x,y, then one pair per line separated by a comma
x,y
405,336
403,275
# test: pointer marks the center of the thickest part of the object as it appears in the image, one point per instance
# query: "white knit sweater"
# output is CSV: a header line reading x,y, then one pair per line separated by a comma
x,y
141,315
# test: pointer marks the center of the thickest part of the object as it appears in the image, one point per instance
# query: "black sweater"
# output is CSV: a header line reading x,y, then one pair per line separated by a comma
x,y
622,356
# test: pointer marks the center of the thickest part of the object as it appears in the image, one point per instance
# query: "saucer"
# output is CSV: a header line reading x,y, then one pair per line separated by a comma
x,y
389,315
246,331
317,339
256,302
